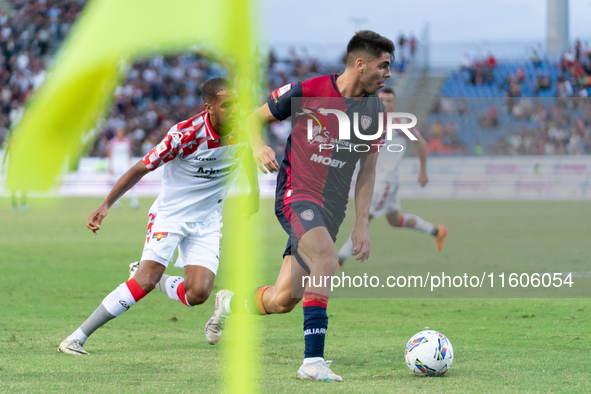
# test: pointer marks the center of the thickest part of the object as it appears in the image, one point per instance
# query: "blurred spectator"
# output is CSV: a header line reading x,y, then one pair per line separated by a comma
x,y
543,83
520,75
481,71
491,61
563,87
412,43
535,58
490,119
466,62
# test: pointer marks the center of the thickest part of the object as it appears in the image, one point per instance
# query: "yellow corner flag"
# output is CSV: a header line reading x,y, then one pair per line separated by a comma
x,y
80,87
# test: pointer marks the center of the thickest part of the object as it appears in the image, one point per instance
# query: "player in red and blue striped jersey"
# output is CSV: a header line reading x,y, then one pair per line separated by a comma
x,y
313,186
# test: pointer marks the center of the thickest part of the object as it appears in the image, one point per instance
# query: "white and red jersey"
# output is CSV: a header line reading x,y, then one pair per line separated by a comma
x,y
119,151
389,160
199,168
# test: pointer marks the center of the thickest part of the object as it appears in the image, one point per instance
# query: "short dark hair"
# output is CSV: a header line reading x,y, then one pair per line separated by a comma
x,y
370,42
388,91
212,87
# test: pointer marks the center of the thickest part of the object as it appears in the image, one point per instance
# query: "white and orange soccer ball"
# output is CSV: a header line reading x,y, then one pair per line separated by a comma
x,y
429,353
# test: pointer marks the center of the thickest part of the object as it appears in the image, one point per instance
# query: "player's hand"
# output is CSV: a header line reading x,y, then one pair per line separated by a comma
x,y
265,158
250,206
361,243
96,218
423,179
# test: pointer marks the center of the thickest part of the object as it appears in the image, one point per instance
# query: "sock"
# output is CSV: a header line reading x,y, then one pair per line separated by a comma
x,y
312,360
161,285
174,287
315,323
117,302
253,303
421,224
346,250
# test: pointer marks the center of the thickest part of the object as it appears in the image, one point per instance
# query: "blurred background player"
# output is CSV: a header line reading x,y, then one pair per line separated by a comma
x,y
386,200
13,193
200,157
311,195
119,154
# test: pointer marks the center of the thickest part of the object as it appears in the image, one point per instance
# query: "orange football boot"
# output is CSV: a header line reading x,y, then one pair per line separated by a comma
x,y
440,237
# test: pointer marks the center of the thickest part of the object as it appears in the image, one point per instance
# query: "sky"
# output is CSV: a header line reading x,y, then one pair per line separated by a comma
x,y
327,21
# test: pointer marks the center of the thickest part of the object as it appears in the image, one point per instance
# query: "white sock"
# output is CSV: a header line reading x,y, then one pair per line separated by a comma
x,y
421,224
175,289
311,360
119,300
346,250
79,335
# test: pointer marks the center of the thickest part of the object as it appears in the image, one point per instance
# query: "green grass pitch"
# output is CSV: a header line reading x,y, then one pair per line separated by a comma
x,y
54,272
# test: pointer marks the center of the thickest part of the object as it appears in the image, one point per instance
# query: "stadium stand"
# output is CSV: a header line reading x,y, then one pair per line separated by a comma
x,y
30,33
505,108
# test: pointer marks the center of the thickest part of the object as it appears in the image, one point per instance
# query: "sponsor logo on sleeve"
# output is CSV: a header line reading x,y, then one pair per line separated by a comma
x,y
160,148
279,92
284,89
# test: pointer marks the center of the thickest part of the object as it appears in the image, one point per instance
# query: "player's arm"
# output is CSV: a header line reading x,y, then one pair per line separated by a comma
x,y
252,205
126,182
278,107
164,152
264,155
422,150
363,196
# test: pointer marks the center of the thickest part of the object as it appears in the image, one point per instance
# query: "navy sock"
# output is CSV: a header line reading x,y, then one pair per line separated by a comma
x,y
315,325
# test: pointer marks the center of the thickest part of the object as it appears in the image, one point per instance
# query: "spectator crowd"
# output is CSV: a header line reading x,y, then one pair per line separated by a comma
x,y
158,92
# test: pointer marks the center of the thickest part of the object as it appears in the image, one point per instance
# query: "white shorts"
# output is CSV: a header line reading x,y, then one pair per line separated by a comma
x,y
198,243
385,198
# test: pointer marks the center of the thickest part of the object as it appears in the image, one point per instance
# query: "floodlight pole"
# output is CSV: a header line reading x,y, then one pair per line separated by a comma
x,y
558,27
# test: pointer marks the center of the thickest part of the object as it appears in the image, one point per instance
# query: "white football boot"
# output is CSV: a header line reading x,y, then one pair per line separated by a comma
x,y
317,369
133,267
215,326
72,347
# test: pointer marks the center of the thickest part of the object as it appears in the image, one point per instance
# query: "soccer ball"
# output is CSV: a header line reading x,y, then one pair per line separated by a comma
x,y
429,353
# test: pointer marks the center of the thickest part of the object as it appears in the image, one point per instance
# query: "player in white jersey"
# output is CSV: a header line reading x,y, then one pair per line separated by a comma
x,y
386,200
119,155
200,156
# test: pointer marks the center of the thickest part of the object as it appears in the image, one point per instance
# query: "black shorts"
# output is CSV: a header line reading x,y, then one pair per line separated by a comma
x,y
299,217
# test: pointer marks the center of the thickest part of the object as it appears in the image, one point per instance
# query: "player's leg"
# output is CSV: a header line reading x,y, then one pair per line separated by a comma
x,y
408,220
265,300
158,251
193,289
118,301
278,298
316,248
